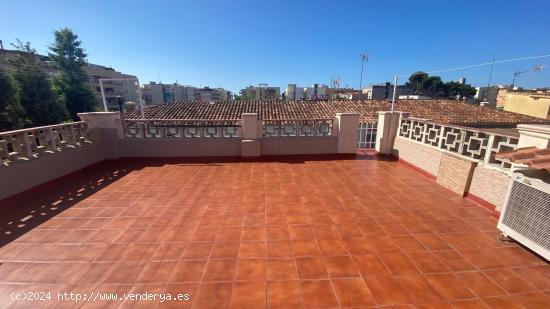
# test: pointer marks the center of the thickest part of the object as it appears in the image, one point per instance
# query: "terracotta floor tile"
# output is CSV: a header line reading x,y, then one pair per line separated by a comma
x,y
220,270
480,284
417,289
503,302
398,263
213,295
318,294
483,258
353,292
427,262
510,281
469,304
188,271
229,233
225,249
256,234
538,276
252,249
454,261
248,295
251,269
370,264
283,294
449,287
534,300
341,267
197,250
331,247
432,242
156,272
305,247
277,232
311,268
281,269
386,290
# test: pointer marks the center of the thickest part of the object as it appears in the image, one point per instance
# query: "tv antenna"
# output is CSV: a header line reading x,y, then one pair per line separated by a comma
x,y
516,75
364,57
335,82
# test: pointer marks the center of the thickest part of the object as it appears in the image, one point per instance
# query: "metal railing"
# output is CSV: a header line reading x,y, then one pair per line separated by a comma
x,y
181,128
297,127
27,144
468,142
366,137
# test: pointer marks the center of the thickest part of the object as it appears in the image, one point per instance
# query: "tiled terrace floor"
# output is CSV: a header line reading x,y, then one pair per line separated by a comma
x,y
319,233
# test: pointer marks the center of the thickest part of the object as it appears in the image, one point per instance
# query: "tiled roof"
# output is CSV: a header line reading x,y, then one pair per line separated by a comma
x,y
532,156
441,111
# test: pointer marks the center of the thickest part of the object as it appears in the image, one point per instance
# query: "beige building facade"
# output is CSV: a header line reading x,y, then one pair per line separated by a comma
x,y
528,103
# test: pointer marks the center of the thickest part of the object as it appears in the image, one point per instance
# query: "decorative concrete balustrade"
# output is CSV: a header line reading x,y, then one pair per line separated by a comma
x,y
161,128
471,143
28,144
297,127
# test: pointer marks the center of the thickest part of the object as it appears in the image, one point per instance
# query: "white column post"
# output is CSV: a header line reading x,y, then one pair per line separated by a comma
x,y
251,134
348,130
388,125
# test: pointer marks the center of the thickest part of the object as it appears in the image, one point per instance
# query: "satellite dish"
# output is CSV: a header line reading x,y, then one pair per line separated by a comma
x,y
539,67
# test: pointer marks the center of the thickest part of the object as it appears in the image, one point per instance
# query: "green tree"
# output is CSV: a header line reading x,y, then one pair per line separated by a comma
x,y
42,104
458,91
11,111
433,86
416,82
69,57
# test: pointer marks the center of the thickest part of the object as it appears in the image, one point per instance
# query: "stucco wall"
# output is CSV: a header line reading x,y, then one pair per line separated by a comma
x,y
527,105
22,176
421,156
298,145
183,147
490,184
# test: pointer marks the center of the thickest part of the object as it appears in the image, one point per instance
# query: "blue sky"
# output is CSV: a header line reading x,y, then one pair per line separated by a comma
x,y
236,43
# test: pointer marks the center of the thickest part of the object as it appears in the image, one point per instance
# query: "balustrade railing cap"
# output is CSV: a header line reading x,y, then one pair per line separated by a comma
x,y
41,128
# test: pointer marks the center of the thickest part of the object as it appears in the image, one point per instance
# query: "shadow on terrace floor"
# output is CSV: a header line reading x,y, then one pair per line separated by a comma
x,y
24,211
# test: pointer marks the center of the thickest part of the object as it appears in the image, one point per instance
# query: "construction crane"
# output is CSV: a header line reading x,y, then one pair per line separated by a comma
x,y
517,74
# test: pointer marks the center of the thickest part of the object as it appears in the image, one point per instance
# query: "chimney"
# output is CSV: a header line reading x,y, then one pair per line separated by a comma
x,y
1,45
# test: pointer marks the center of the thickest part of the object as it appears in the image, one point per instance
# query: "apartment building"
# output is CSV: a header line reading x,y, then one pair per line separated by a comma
x,y
385,91
126,87
157,93
262,92
315,92
534,103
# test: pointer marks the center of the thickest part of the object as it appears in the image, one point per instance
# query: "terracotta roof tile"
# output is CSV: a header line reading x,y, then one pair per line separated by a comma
x,y
441,111
532,156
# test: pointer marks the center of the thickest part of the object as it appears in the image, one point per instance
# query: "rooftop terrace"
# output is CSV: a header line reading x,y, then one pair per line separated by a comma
x,y
249,212
297,232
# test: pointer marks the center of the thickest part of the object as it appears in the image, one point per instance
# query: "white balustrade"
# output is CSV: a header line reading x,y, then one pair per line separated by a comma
x,y
31,143
472,143
297,127
161,128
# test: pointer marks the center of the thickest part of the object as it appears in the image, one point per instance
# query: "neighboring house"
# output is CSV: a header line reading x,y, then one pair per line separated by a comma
x,y
439,111
385,91
262,92
156,93
315,92
531,103
488,95
127,89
